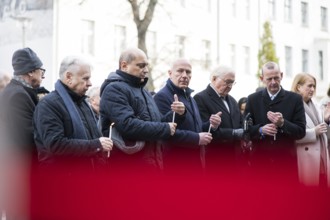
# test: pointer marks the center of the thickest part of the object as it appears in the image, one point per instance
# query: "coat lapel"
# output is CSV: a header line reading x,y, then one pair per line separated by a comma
x,y
217,100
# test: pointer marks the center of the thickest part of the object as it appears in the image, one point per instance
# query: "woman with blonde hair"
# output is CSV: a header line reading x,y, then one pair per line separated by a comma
x,y
312,149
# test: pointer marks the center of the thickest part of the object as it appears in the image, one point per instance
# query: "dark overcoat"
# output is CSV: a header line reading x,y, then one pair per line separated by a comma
x,y
278,151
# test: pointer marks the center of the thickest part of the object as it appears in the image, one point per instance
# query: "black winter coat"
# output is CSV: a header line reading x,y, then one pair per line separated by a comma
x,y
125,102
279,151
53,132
17,106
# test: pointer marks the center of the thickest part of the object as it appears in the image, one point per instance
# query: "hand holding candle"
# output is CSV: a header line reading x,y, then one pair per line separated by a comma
x,y
110,133
177,106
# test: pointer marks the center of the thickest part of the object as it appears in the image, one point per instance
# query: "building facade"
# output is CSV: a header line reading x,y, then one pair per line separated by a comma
x,y
208,32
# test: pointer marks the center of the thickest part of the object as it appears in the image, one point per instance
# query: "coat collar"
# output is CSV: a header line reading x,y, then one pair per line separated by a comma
x,y
216,99
176,90
132,80
279,97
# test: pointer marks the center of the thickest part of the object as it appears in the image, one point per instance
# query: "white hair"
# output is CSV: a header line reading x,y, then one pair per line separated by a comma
x,y
221,71
92,92
72,64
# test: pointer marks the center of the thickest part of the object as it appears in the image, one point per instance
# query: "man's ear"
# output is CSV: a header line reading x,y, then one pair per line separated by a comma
x,y
123,65
261,77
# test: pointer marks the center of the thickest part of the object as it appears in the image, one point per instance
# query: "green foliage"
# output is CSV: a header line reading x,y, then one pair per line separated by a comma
x,y
267,51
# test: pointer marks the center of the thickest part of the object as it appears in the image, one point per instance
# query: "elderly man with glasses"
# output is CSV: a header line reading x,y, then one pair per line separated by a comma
x,y
220,154
17,105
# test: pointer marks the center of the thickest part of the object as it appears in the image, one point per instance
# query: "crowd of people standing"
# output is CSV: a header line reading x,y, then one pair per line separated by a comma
x,y
170,133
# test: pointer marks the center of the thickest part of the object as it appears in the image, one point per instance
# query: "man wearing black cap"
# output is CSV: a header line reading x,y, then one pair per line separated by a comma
x,y
19,99
17,104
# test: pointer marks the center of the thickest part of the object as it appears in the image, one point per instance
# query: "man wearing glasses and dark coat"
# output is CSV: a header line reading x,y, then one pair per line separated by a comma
x,y
18,150
221,152
18,101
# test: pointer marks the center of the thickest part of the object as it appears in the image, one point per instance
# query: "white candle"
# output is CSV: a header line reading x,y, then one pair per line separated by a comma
x,y
210,128
322,113
110,133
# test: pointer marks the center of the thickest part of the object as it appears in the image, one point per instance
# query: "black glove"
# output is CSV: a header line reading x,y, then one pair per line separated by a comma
x,y
238,133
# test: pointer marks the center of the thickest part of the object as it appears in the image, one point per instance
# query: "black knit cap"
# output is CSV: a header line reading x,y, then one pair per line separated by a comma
x,y
25,60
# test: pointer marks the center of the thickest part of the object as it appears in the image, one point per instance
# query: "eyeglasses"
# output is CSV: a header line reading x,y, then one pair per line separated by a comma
x,y
42,71
229,82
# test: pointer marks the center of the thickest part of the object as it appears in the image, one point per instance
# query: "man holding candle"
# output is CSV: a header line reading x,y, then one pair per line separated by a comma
x,y
125,102
225,148
66,131
186,149
278,120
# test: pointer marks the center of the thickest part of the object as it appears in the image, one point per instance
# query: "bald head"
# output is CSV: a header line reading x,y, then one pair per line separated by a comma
x,y
134,62
180,73
130,54
178,62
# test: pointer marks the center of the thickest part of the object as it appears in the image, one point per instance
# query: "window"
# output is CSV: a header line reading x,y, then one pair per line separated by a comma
x,y
206,48
288,10
232,55
272,9
120,40
304,14
247,60
288,61
247,9
87,37
152,44
180,45
321,73
324,19
305,60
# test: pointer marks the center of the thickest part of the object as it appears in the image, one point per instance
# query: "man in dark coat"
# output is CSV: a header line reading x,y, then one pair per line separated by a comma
x,y
278,120
17,104
185,150
126,103
220,153
66,131
18,101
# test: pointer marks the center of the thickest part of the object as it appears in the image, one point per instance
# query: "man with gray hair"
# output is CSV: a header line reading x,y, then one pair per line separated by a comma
x,y
66,132
93,98
220,152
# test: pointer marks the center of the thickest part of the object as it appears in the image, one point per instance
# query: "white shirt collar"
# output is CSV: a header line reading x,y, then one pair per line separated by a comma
x,y
270,95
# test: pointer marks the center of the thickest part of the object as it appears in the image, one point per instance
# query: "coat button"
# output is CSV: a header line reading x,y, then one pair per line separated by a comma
x,y
306,148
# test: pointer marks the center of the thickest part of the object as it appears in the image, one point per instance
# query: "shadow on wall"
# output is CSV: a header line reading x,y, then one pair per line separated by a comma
x,y
16,8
